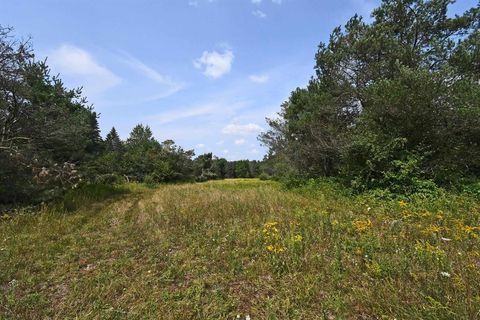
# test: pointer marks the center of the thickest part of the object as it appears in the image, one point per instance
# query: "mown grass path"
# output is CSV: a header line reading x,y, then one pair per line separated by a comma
x,y
243,247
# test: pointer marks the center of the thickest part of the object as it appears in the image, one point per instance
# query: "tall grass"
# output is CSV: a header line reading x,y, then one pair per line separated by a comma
x,y
243,247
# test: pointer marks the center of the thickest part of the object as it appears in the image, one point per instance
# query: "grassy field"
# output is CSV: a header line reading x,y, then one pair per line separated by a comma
x,y
241,247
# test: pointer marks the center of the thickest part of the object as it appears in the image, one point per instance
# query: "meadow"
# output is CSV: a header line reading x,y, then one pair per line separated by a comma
x,y
241,249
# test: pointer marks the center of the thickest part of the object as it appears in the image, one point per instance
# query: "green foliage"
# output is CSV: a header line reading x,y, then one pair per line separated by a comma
x,y
394,105
47,132
109,178
472,188
206,175
113,142
264,176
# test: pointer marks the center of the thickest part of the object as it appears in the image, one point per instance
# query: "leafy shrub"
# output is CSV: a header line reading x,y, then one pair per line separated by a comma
x,y
264,176
473,189
150,180
109,178
206,175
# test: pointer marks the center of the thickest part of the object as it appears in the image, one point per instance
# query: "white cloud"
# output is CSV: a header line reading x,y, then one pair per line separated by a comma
x,y
215,64
147,71
259,78
170,86
259,14
79,66
200,145
171,116
221,142
209,109
225,151
241,129
239,141
193,3
254,151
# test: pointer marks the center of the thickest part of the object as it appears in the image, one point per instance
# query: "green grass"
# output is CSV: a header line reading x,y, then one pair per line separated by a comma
x,y
220,249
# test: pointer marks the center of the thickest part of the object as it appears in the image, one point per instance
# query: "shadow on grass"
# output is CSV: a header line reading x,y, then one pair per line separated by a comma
x,y
89,194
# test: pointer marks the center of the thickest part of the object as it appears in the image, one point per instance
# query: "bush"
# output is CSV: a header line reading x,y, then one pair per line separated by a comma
x,y
206,175
264,176
473,189
109,178
150,180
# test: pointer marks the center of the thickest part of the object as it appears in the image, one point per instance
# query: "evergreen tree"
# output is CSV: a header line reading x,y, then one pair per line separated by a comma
x,y
113,142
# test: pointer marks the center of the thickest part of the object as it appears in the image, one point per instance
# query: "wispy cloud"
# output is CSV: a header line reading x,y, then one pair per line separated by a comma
x,y
214,109
146,70
259,78
215,64
239,141
172,116
78,66
241,129
259,14
169,86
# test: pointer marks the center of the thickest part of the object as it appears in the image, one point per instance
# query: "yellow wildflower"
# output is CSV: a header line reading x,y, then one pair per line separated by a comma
x,y
362,225
458,283
275,248
297,238
470,231
374,268
402,204
433,229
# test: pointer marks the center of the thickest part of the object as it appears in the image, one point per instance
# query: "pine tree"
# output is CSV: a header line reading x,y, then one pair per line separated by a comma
x,y
113,142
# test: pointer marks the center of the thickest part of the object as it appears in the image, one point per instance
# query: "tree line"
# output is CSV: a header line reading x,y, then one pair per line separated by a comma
x,y
394,103
142,158
50,140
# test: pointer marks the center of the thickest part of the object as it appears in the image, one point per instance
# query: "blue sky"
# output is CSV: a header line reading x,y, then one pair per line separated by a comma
x,y
204,73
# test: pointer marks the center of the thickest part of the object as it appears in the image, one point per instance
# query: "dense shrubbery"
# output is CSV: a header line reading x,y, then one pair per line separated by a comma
x,y
395,104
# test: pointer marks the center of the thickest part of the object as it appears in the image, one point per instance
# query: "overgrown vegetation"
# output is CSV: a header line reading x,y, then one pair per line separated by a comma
x,y
243,247
395,103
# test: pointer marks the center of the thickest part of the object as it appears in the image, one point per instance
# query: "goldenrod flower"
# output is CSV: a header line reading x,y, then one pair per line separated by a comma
x,y
362,225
